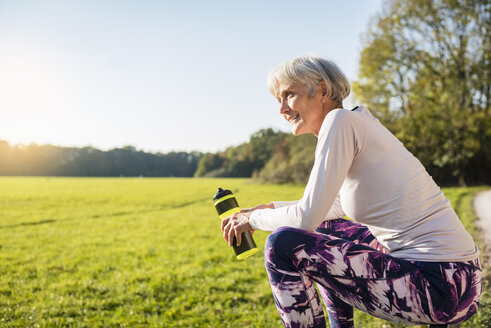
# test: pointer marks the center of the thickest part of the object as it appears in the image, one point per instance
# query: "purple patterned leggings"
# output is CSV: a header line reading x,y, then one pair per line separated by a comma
x,y
352,269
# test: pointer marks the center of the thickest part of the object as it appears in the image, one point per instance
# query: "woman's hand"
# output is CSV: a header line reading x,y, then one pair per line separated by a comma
x,y
235,225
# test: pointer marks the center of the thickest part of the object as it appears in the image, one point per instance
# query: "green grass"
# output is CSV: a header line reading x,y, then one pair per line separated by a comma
x,y
83,252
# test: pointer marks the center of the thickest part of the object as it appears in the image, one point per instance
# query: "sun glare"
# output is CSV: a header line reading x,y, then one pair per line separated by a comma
x,y
33,87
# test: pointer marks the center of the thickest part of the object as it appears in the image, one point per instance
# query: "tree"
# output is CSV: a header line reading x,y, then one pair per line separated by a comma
x,y
261,145
425,73
291,161
242,160
209,163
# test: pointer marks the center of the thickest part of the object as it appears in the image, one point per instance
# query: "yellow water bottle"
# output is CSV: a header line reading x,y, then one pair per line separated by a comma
x,y
226,204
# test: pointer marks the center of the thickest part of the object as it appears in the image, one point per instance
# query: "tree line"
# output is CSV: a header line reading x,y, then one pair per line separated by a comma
x,y
269,156
48,160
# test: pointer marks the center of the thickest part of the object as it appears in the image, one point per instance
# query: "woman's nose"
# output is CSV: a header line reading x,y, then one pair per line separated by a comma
x,y
284,108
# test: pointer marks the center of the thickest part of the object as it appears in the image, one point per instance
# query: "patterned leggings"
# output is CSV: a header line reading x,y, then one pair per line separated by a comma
x,y
352,269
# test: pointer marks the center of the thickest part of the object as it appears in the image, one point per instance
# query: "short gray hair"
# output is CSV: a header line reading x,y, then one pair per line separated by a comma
x,y
310,71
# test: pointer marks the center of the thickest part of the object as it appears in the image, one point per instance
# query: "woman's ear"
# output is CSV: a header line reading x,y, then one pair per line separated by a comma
x,y
323,88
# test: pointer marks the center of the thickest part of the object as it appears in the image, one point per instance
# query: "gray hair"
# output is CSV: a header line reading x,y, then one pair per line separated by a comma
x,y
310,71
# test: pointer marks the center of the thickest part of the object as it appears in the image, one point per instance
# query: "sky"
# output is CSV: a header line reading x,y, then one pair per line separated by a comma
x,y
168,75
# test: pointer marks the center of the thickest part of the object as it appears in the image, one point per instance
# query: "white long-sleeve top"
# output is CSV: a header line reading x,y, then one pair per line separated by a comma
x,y
363,171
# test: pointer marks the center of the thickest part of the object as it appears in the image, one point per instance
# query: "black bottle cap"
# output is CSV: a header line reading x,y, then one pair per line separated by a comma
x,y
221,193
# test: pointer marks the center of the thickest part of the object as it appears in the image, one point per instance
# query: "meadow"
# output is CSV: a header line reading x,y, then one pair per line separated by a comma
x,y
138,252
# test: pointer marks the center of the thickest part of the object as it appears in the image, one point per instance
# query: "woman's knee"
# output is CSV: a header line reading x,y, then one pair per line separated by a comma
x,y
285,239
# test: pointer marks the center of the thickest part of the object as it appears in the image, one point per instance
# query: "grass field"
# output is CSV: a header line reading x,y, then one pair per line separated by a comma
x,y
83,252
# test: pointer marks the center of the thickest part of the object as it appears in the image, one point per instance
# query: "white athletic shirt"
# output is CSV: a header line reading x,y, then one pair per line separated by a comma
x,y
363,171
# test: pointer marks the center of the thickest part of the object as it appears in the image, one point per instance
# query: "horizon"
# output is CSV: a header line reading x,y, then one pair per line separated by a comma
x,y
21,145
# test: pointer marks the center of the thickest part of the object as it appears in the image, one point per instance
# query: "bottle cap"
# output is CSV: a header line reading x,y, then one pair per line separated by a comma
x,y
221,193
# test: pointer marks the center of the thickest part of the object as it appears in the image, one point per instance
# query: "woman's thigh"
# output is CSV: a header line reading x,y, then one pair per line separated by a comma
x,y
352,231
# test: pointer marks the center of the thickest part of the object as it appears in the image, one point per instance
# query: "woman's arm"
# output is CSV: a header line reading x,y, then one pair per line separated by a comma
x,y
340,139
258,207
283,203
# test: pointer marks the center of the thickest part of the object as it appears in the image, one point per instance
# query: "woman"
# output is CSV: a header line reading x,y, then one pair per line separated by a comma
x,y
406,256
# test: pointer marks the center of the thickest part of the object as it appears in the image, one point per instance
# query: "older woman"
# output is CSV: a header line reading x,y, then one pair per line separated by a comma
x,y
405,257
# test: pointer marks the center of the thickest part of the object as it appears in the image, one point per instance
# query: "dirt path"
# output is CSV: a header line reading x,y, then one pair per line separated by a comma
x,y
482,207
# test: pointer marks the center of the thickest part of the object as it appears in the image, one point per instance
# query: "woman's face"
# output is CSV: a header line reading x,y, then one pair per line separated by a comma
x,y
304,114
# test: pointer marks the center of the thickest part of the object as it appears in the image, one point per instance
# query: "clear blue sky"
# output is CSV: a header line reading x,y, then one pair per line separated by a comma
x,y
160,75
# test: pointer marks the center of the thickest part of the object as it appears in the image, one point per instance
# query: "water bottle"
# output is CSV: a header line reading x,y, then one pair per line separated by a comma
x,y
226,204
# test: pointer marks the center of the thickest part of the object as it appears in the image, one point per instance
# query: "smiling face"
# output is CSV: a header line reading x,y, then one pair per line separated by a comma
x,y
304,113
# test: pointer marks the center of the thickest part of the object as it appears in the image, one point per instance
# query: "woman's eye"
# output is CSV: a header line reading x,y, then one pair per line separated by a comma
x,y
288,94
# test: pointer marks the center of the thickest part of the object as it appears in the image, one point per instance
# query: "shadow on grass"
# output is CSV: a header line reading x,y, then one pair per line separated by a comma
x,y
28,224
